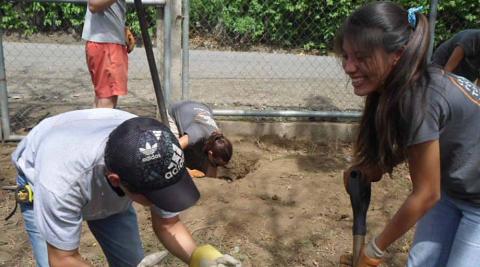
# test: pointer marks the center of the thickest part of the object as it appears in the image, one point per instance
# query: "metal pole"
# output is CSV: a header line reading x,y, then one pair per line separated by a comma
x,y
167,49
185,49
288,113
5,133
151,62
432,20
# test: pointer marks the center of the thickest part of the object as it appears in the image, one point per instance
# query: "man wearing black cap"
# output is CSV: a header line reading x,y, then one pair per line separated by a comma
x,y
89,165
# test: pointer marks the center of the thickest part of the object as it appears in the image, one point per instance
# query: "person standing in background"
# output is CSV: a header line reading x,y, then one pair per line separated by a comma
x,y
108,42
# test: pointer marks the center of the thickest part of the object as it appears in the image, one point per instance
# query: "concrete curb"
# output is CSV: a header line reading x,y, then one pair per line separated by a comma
x,y
318,132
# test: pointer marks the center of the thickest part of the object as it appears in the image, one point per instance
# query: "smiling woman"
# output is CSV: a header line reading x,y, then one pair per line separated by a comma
x,y
411,111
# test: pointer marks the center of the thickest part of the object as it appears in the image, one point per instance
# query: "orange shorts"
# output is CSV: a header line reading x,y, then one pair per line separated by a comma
x,y
108,67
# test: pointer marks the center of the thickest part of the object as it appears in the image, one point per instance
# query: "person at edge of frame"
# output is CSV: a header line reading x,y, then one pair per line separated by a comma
x,y
461,55
89,165
418,114
205,146
108,43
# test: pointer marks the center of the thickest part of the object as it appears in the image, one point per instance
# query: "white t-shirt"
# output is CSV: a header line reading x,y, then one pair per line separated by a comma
x,y
63,158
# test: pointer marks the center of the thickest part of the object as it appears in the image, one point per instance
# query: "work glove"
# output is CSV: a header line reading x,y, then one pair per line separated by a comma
x,y
195,173
370,256
366,261
153,259
208,256
130,40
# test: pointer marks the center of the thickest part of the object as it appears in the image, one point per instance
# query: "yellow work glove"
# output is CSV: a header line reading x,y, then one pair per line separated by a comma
x,y
208,256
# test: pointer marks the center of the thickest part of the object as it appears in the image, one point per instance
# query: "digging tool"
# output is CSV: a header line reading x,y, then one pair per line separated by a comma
x,y
151,62
153,259
360,191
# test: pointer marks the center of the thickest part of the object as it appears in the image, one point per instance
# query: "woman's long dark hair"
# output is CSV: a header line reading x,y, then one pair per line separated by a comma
x,y
385,124
220,146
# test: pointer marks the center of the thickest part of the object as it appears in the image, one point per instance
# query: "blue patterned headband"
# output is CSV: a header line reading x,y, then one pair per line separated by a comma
x,y
412,18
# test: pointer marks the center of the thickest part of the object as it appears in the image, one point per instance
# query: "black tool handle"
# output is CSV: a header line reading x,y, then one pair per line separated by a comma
x,y
360,192
161,103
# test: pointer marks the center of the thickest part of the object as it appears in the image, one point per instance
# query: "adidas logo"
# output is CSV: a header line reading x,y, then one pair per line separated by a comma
x,y
148,150
157,134
176,163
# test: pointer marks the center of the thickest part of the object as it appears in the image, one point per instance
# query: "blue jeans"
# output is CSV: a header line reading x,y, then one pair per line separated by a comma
x,y
448,235
118,235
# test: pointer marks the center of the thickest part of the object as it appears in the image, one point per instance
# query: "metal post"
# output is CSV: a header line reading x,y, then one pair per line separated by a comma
x,y
5,132
167,52
185,48
432,20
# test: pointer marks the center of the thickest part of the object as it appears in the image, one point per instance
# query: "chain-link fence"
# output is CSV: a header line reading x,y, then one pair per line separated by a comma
x,y
261,55
267,55
277,54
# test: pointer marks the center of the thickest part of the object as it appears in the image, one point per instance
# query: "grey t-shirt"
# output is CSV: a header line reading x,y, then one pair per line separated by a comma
x,y
195,120
469,40
107,26
451,115
63,159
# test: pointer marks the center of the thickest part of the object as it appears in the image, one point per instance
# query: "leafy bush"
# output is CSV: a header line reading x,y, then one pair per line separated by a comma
x,y
33,17
301,24
304,24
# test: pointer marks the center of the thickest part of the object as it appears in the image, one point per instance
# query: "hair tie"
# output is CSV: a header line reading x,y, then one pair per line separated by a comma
x,y
412,18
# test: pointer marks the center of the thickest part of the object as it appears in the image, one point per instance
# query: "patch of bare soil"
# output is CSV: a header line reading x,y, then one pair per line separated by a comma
x,y
281,203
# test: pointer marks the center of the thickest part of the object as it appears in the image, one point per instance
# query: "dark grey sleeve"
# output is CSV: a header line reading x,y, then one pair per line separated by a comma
x,y
428,119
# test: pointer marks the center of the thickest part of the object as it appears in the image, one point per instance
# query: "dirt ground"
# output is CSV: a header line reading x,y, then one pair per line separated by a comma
x,y
280,203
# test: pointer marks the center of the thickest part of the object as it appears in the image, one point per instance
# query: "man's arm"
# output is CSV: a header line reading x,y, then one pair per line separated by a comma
x,y
99,5
64,258
455,58
174,236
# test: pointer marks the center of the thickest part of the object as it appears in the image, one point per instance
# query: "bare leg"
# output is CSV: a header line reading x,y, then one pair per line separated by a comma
x,y
106,102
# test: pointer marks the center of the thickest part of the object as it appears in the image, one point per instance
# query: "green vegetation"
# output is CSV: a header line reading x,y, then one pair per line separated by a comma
x,y
308,25
33,17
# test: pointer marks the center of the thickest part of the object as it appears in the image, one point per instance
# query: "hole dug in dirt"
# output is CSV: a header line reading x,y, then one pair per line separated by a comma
x,y
241,164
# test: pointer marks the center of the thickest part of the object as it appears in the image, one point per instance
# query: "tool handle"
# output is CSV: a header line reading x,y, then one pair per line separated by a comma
x,y
359,190
360,193
358,243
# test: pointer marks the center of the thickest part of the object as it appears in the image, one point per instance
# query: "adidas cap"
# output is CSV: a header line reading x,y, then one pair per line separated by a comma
x,y
148,159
